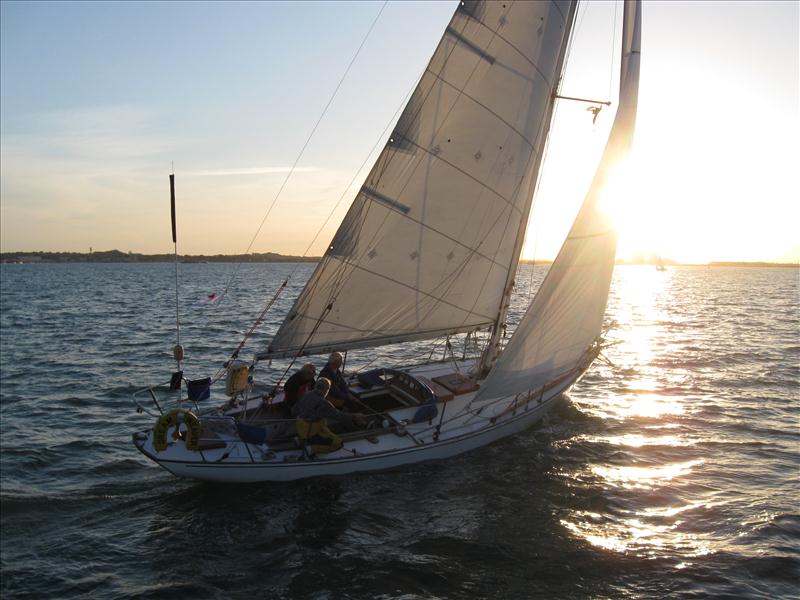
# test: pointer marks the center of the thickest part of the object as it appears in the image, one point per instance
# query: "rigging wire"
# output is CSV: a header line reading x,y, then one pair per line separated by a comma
x,y
330,214
358,171
268,397
260,318
303,149
533,264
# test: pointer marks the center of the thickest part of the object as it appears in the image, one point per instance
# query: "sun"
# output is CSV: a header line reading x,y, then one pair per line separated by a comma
x,y
624,200
654,212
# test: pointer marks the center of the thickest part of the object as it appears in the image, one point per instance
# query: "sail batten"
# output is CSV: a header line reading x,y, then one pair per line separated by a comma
x,y
429,241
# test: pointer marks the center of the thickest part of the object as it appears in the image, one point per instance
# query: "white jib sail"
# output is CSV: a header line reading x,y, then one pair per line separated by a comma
x,y
429,240
566,315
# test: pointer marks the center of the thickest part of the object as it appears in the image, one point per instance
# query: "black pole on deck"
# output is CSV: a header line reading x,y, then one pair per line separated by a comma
x,y
178,352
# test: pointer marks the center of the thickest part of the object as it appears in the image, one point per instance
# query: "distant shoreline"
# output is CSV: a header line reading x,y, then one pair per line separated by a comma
x,y
117,256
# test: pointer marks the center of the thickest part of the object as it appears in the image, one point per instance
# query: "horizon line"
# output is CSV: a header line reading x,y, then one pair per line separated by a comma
x,y
21,254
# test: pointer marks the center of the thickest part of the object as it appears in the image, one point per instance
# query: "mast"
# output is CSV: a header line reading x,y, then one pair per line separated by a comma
x,y
492,351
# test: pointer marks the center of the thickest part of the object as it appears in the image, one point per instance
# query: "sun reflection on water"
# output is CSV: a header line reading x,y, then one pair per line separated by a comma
x,y
642,405
643,477
649,531
637,440
646,405
636,536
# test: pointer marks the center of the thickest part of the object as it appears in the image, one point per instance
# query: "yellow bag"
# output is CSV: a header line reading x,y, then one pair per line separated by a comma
x,y
318,438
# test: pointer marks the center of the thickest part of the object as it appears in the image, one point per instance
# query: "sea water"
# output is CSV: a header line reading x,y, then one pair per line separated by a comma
x,y
670,470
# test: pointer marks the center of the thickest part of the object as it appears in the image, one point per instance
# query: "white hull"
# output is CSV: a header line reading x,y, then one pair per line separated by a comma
x,y
470,426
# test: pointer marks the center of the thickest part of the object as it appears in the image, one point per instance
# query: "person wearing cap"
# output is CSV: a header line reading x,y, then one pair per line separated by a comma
x,y
298,385
340,395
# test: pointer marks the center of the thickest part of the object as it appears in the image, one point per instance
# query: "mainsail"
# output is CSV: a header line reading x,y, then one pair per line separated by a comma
x,y
566,315
433,237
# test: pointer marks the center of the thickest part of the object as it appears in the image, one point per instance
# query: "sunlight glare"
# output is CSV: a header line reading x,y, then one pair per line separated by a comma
x,y
635,218
636,535
644,477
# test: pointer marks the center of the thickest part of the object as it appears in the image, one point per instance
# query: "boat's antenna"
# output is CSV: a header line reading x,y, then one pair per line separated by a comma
x,y
178,350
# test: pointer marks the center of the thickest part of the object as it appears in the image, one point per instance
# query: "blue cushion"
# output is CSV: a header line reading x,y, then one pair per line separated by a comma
x,y
251,434
199,389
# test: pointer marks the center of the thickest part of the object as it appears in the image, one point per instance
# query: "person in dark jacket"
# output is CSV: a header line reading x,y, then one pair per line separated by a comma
x,y
298,385
340,395
314,412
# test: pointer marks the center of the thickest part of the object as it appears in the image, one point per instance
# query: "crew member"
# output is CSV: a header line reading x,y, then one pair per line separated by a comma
x,y
340,395
313,413
298,385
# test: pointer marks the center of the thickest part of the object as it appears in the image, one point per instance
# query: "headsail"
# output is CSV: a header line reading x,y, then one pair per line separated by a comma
x,y
428,243
566,315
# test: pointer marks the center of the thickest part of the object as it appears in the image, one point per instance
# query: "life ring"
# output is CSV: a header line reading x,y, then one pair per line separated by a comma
x,y
164,422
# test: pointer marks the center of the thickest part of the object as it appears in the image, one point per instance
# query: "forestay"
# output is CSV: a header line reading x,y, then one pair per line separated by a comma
x,y
566,315
428,243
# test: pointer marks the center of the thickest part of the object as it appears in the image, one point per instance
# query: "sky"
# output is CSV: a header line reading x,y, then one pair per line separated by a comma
x,y
98,100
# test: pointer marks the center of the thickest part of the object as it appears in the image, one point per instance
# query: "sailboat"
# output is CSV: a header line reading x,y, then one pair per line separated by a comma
x,y
428,249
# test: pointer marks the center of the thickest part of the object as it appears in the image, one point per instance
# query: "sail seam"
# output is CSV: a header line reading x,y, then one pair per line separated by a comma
x,y
441,233
483,106
463,172
421,104
462,266
405,285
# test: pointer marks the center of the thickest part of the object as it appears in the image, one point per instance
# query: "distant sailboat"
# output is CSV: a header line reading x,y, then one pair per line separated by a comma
x,y
430,248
